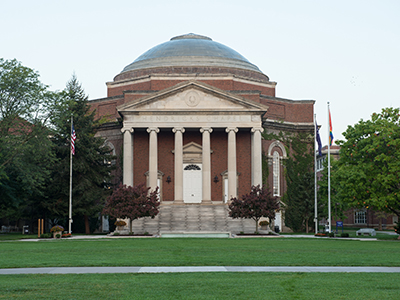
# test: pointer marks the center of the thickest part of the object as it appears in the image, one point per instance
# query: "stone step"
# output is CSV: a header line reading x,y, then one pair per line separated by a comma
x,y
192,218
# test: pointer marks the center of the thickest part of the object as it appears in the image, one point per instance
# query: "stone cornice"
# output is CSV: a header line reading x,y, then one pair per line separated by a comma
x,y
291,126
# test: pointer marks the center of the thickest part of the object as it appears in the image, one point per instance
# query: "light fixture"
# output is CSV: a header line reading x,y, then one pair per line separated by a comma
x,y
216,179
168,179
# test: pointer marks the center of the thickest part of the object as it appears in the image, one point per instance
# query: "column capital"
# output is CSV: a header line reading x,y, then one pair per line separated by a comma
x,y
260,129
235,129
131,130
209,129
156,129
175,129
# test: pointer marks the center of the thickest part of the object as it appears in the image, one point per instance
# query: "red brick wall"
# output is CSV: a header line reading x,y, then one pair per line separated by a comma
x,y
219,162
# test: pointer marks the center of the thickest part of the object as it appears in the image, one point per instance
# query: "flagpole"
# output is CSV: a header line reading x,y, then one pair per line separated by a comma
x,y
315,176
329,170
70,184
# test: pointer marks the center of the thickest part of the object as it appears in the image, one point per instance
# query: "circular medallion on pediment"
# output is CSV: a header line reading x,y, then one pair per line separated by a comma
x,y
192,99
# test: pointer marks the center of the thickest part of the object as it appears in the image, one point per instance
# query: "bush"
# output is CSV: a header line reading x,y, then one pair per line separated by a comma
x,y
116,233
264,223
58,235
45,236
344,235
331,234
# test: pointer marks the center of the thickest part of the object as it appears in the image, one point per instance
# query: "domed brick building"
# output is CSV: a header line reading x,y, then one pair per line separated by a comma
x,y
188,116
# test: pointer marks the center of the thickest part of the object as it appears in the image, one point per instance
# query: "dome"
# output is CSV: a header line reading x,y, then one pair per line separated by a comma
x,y
191,50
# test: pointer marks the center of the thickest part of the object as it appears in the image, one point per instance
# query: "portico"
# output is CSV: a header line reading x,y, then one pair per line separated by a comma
x,y
188,110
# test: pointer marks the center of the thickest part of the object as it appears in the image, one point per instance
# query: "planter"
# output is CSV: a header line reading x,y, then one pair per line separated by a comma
x,y
264,227
55,234
121,228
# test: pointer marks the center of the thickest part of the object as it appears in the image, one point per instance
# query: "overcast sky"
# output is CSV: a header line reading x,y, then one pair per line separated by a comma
x,y
346,52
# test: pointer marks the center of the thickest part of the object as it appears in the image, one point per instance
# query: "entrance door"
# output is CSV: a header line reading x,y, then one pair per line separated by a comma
x,y
192,183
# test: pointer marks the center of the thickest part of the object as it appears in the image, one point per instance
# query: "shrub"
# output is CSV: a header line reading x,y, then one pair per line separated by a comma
x,y
116,233
344,235
57,228
320,234
264,223
58,235
331,234
45,236
66,235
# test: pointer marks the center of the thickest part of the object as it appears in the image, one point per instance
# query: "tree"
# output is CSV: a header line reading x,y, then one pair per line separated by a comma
x,y
369,165
25,150
127,202
259,203
91,162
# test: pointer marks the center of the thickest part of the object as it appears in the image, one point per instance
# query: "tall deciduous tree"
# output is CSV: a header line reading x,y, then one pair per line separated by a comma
x,y
132,203
91,162
255,205
369,164
25,150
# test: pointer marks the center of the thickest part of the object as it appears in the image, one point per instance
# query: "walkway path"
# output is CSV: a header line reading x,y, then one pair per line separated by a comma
x,y
91,270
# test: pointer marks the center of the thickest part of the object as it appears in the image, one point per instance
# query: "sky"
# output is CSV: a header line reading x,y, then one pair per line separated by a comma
x,y
343,52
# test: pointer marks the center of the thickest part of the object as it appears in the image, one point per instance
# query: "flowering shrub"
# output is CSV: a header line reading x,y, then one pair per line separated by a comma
x,y
264,223
65,235
57,228
120,223
320,234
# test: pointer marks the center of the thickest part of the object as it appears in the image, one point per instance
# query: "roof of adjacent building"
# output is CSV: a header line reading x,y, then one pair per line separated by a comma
x,y
191,50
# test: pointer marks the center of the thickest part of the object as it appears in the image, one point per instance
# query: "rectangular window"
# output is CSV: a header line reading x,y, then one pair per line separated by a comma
x,y
276,173
360,217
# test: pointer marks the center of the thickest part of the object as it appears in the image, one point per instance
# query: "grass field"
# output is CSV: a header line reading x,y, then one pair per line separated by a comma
x,y
202,286
200,252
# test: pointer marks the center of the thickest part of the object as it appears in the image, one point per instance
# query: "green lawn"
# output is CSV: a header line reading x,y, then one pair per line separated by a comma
x,y
202,286
199,252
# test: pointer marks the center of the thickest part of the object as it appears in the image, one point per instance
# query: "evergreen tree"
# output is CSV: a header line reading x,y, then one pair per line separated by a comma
x,y
91,162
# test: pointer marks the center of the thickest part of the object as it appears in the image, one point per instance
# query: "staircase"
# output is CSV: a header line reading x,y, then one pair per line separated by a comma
x,y
192,218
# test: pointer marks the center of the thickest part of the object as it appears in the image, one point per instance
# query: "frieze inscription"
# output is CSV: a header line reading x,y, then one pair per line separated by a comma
x,y
193,118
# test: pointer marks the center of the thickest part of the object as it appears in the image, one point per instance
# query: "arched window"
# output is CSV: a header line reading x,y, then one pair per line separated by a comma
x,y
276,175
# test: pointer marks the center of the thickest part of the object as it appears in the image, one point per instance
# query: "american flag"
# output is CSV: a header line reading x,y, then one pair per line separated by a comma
x,y
73,138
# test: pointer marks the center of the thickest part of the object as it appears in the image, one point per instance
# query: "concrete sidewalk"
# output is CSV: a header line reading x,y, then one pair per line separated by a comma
x,y
93,270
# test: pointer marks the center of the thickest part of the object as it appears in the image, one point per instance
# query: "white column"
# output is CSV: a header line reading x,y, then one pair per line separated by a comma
x,y
128,156
232,173
256,158
178,185
153,153
206,164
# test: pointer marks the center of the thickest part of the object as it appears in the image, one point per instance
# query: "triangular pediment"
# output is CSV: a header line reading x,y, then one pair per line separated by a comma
x,y
192,96
192,147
